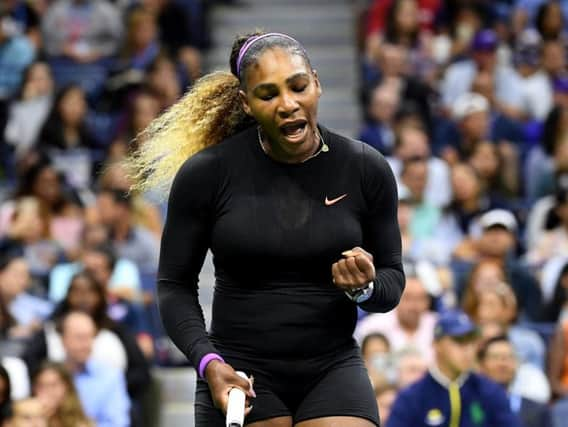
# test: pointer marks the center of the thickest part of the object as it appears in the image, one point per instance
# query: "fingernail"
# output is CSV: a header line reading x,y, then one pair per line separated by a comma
x,y
252,392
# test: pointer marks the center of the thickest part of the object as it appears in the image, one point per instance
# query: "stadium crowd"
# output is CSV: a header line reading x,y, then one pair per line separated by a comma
x,y
467,99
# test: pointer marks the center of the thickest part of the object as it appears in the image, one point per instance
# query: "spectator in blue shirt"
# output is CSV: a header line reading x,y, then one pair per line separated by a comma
x,y
101,388
16,53
451,394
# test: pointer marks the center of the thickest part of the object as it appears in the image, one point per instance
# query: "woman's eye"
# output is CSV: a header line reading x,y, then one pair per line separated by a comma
x,y
266,97
300,88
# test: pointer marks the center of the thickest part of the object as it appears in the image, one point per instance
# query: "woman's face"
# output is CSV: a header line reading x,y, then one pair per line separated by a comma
x,y
73,107
485,160
83,296
15,278
143,30
146,108
407,16
464,183
487,275
491,307
50,389
46,185
282,94
553,21
40,80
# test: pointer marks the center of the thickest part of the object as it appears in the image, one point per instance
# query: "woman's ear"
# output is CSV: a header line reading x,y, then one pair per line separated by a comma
x,y
317,82
244,102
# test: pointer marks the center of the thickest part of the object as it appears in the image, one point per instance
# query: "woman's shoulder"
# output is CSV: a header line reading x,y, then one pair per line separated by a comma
x,y
212,156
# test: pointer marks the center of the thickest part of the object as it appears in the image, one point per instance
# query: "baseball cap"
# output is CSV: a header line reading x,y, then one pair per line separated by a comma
x,y
498,218
454,323
469,103
484,40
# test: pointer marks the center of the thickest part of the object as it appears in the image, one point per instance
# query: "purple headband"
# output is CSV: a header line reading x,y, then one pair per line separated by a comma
x,y
251,41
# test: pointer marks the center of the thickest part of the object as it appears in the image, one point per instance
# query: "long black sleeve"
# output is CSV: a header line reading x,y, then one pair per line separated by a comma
x,y
185,241
382,233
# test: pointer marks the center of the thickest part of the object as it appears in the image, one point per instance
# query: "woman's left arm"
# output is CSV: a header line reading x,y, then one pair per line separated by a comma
x,y
379,260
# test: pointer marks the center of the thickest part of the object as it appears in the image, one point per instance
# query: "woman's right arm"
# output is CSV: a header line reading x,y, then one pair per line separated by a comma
x,y
186,238
185,241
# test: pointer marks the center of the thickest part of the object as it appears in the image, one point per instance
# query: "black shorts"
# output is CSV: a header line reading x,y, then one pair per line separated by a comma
x,y
325,386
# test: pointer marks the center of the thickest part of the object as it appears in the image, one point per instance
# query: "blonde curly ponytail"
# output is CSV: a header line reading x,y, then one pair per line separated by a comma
x,y
209,112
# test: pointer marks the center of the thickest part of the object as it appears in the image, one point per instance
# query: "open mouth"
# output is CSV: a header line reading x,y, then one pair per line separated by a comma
x,y
294,129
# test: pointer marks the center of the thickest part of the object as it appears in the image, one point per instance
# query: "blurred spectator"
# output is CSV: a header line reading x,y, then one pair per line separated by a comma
x,y
146,214
469,201
488,163
411,143
410,366
5,396
549,20
28,413
553,58
497,241
498,361
28,235
141,44
375,349
526,12
66,138
549,159
16,53
100,261
102,389
30,108
163,80
123,282
141,110
537,92
386,396
176,34
131,241
560,86
378,130
476,122
114,344
19,376
554,242
402,29
459,77
456,24
28,311
88,32
451,393
555,292
53,387
410,324
490,304
379,9
61,206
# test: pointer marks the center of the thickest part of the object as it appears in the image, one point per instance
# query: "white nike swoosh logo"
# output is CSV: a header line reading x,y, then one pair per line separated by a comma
x,y
334,201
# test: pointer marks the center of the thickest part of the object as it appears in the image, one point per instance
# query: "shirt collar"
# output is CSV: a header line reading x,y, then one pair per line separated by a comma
x,y
445,382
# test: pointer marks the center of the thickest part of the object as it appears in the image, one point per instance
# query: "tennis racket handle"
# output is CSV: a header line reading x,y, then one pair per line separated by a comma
x,y
236,406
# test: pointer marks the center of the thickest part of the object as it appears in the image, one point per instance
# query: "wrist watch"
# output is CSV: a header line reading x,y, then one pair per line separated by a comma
x,y
360,295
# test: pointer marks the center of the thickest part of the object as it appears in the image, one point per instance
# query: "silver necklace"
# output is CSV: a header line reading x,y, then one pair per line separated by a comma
x,y
323,147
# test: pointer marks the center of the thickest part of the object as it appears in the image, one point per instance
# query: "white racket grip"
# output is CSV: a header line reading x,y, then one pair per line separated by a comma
x,y
236,406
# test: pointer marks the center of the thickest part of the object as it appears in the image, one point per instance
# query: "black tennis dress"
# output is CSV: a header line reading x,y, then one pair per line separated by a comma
x,y
275,229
